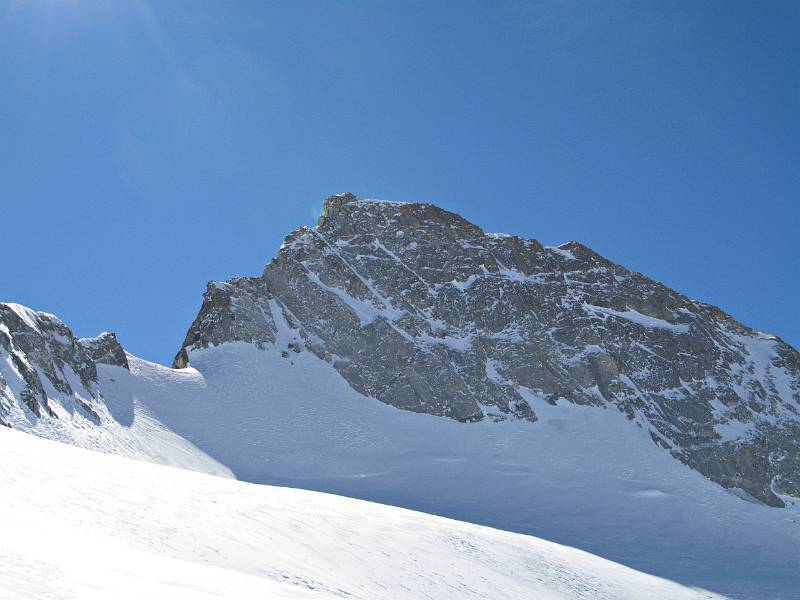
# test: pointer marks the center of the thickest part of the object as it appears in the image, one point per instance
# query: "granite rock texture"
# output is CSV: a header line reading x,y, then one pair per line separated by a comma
x,y
45,370
106,349
421,309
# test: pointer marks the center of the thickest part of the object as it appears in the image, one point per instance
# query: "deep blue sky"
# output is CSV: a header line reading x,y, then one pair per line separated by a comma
x,y
147,147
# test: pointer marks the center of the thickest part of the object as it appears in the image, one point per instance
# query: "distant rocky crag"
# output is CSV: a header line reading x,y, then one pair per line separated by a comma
x,y
45,370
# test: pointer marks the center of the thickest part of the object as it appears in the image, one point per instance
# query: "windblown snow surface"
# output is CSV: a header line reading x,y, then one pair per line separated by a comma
x,y
580,476
81,524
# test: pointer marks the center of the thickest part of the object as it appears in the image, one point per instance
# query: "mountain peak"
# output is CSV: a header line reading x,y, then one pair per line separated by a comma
x,y
416,307
105,349
347,216
419,308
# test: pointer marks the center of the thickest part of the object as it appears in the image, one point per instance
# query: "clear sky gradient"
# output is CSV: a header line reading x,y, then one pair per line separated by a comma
x,y
147,147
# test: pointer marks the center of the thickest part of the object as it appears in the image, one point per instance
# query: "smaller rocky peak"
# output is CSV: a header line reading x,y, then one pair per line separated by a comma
x,y
19,319
43,358
236,310
181,360
105,349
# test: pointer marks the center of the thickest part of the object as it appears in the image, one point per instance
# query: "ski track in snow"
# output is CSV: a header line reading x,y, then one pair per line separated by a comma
x,y
80,524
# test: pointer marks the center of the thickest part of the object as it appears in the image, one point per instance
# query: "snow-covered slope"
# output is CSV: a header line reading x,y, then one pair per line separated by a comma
x,y
580,475
78,524
48,387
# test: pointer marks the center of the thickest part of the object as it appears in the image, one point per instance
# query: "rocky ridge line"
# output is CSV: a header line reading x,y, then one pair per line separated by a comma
x,y
45,370
419,308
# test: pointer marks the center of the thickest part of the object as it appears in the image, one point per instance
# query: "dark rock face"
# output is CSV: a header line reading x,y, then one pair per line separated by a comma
x,y
43,365
419,308
105,349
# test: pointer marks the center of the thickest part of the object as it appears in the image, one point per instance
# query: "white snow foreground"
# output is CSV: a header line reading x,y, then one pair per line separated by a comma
x,y
80,524
579,476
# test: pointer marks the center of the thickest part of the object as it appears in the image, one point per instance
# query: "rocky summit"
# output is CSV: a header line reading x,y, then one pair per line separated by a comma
x,y
46,369
419,308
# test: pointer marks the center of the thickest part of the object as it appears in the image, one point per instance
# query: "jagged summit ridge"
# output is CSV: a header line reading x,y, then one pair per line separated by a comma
x,y
59,387
419,308
47,367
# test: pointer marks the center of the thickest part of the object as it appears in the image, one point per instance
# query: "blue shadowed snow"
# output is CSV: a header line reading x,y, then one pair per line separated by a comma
x,y
581,476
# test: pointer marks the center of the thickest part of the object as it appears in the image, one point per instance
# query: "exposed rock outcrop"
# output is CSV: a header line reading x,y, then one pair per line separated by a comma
x,y
419,308
45,370
105,349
